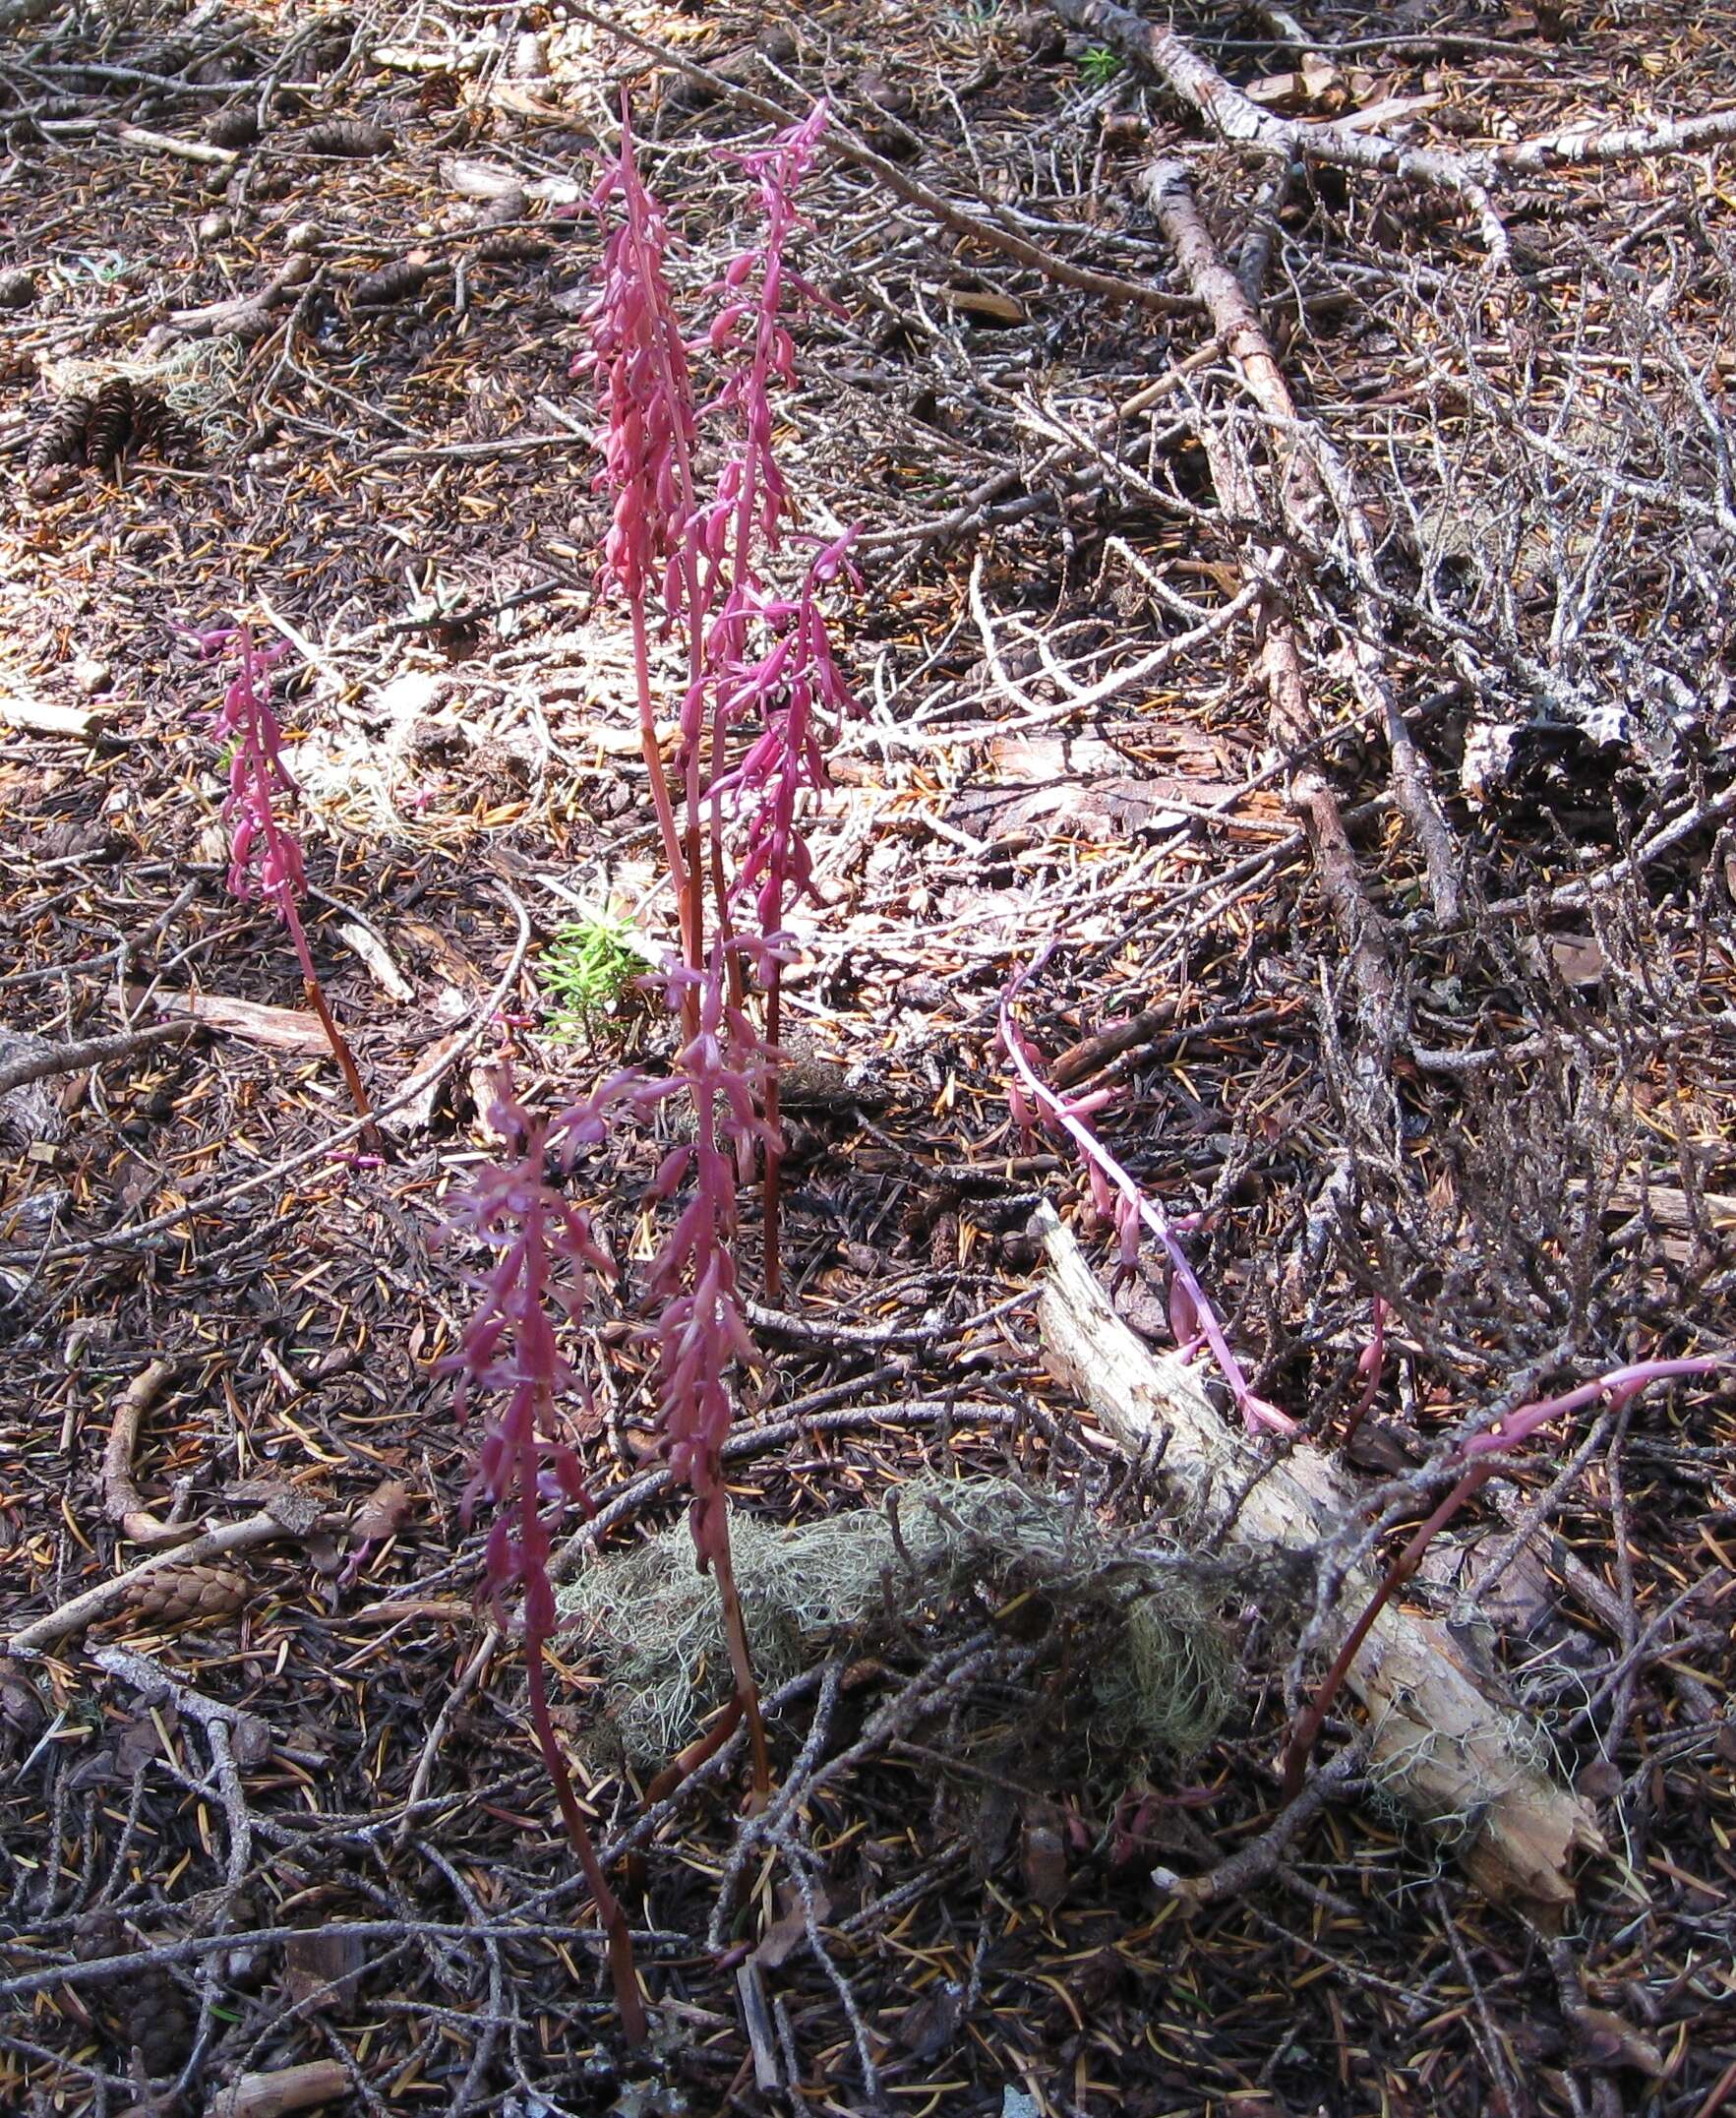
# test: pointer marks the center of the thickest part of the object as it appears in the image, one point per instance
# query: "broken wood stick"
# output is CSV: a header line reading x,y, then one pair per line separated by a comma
x,y
122,1501
285,2089
46,1059
1468,1770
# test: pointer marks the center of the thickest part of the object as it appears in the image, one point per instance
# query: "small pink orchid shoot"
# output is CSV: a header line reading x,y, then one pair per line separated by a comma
x,y
544,1252
1479,1454
264,856
1119,1199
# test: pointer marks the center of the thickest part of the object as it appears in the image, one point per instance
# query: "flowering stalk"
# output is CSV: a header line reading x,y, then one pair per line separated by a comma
x,y
1119,1199
793,688
639,365
544,1251
701,1332
1477,1454
264,856
755,660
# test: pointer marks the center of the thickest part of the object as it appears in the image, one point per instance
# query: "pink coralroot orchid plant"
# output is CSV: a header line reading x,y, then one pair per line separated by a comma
x,y
543,1255
265,855
1119,1201
760,678
754,659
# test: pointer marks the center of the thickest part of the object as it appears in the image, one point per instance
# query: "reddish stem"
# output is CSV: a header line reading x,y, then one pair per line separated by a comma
x,y
772,1178
741,1664
610,1916
1308,1723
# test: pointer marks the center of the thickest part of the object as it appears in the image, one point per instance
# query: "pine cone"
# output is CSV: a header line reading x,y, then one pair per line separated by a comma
x,y
402,281
351,137
182,1595
158,426
236,128
109,427
59,443
512,246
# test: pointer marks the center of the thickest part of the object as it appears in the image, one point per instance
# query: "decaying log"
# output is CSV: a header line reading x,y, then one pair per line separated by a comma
x,y
1470,1771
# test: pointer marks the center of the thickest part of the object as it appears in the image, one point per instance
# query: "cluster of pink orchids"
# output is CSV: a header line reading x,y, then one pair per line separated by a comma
x,y
697,530
698,542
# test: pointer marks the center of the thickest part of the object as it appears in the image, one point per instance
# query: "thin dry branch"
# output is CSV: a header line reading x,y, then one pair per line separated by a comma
x,y
975,228
1362,930
40,1064
1574,145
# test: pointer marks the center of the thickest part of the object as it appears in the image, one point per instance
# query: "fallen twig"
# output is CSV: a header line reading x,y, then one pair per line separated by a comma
x,y
947,212
1240,120
89,1051
291,1514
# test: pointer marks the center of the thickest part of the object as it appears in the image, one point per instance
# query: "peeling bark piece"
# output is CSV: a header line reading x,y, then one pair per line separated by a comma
x,y
1468,1770
282,1029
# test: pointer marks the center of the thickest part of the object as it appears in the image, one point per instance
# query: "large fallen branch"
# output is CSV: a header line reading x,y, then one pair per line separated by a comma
x,y
1468,1770
1362,930
1238,118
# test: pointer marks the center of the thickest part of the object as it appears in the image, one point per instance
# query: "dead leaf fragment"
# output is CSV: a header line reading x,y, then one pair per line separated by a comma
x,y
789,1930
381,1514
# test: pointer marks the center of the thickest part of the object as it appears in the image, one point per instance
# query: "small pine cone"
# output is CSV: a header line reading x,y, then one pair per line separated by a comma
x,y
400,282
353,138
439,93
236,128
270,180
156,2019
156,427
512,246
175,440
110,426
59,444
182,1595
